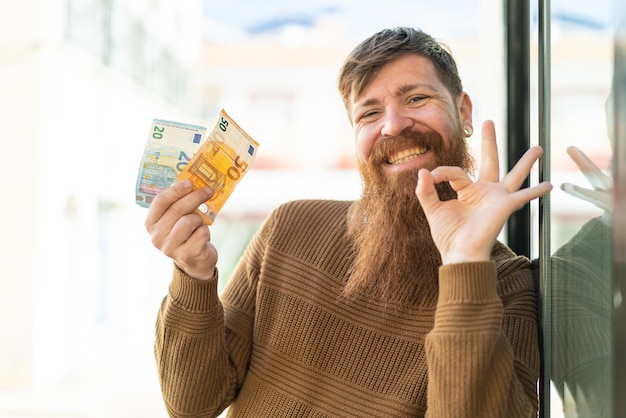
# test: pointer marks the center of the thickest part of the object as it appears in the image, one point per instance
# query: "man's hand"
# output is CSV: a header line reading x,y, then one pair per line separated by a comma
x,y
179,232
602,193
465,229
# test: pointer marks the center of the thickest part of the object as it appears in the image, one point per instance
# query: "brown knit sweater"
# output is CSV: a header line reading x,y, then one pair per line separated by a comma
x,y
282,342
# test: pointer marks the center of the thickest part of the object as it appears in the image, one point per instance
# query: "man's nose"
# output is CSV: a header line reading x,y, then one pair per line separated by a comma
x,y
394,123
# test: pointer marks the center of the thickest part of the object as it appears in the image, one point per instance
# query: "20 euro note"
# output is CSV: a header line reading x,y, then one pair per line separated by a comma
x,y
220,163
169,148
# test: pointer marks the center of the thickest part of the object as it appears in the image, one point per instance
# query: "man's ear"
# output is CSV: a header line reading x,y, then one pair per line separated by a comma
x,y
464,104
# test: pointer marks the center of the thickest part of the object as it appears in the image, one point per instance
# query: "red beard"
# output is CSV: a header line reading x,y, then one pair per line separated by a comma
x,y
396,258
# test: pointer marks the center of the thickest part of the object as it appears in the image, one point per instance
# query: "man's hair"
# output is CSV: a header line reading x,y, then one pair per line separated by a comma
x,y
367,58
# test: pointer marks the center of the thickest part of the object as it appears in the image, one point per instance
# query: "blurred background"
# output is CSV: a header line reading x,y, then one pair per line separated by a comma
x,y
81,81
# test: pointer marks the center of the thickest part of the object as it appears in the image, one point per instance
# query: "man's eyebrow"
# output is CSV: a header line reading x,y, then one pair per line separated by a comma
x,y
366,103
404,89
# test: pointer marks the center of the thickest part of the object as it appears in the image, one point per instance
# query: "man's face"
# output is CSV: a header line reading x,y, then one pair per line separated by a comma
x,y
404,120
406,95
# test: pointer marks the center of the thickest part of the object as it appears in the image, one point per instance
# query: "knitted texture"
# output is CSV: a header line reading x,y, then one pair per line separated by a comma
x,y
283,342
581,308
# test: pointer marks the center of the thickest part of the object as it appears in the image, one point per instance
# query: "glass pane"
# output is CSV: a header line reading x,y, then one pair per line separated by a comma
x,y
619,212
580,219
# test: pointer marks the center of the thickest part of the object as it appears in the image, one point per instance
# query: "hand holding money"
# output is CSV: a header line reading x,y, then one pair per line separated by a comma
x,y
219,163
180,233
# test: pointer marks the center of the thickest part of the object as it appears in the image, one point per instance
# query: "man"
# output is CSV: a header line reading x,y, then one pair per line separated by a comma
x,y
401,304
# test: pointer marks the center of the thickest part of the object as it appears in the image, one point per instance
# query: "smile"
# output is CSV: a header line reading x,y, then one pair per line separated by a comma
x,y
406,155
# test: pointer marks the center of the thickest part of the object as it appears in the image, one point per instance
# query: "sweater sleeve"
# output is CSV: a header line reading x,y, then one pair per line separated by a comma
x,y
204,341
482,354
195,372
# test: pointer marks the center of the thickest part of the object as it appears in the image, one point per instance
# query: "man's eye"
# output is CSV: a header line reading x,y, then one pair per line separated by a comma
x,y
367,115
416,99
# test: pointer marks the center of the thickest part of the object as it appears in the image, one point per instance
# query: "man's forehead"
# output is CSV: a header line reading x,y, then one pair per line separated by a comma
x,y
407,70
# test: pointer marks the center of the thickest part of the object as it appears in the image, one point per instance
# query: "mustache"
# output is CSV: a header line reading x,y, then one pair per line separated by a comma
x,y
406,139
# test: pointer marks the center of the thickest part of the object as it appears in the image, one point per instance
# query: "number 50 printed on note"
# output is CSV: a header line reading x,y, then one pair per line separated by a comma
x,y
176,151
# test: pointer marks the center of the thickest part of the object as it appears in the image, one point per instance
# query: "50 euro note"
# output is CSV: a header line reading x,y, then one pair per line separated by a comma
x,y
175,153
220,163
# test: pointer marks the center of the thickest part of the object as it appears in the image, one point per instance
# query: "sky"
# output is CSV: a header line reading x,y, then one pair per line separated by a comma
x,y
251,16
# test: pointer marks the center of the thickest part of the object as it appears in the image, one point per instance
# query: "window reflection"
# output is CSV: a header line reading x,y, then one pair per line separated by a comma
x,y
578,272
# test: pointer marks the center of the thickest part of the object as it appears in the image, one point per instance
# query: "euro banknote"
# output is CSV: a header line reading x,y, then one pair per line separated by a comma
x,y
220,163
177,151
169,148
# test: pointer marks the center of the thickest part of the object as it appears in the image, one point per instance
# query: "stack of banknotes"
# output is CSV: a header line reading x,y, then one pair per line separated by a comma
x,y
178,151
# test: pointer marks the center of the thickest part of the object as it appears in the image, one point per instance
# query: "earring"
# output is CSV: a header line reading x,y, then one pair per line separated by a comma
x,y
468,131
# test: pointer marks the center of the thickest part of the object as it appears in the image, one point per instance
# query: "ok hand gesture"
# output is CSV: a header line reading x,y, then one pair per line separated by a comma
x,y
465,229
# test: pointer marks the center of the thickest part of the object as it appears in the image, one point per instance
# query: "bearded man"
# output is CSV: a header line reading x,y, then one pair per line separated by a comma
x,y
401,304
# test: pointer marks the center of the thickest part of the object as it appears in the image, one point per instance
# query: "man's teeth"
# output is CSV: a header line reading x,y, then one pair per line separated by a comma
x,y
406,155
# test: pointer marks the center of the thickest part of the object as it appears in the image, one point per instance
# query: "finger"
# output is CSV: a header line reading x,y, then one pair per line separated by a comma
x,y
457,177
200,244
176,201
600,198
518,174
522,197
594,175
489,163
200,236
195,246
165,198
183,230
426,192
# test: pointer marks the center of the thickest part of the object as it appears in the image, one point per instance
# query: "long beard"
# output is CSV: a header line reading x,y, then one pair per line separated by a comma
x,y
396,258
